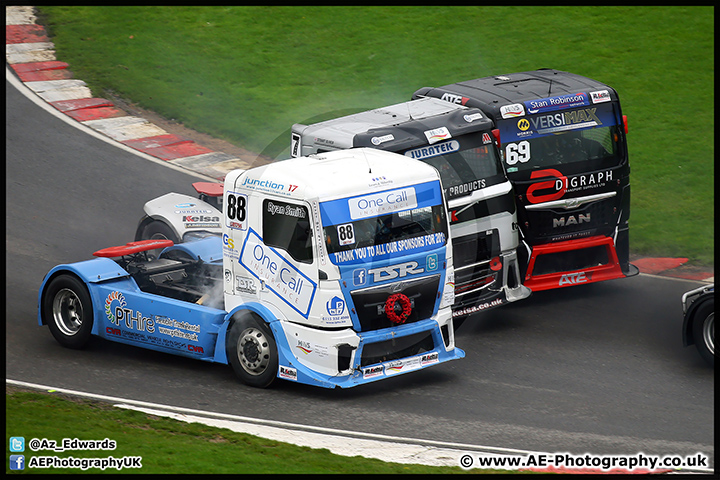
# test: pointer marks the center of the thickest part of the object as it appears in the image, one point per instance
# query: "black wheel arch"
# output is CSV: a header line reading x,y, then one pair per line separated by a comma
x,y
688,334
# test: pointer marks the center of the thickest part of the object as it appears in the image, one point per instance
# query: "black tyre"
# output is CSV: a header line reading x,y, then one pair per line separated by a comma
x,y
252,352
158,230
704,330
67,311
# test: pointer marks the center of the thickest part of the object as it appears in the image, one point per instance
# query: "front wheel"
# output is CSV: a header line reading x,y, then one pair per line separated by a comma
x,y
67,311
704,331
252,351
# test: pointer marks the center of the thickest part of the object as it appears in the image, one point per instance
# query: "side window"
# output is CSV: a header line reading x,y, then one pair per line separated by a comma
x,y
287,226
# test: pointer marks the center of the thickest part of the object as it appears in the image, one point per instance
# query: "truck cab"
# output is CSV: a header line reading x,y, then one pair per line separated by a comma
x,y
564,148
346,258
332,270
459,142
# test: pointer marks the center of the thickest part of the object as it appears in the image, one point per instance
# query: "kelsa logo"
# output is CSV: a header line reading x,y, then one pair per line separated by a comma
x,y
119,300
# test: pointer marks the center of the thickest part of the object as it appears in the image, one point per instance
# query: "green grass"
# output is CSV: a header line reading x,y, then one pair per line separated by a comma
x,y
171,446
246,74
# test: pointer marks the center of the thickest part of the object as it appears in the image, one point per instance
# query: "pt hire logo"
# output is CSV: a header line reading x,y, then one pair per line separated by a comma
x,y
117,298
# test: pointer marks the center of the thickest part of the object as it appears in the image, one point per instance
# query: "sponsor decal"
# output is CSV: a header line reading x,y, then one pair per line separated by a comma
x,y
385,138
433,150
268,185
184,205
386,249
359,277
304,347
377,204
600,96
523,124
429,359
558,122
278,273
177,329
452,98
465,188
395,271
404,365
472,117
478,308
513,110
245,285
288,373
335,306
373,372
117,313
556,103
431,262
486,138
437,135
294,145
236,205
562,184
575,278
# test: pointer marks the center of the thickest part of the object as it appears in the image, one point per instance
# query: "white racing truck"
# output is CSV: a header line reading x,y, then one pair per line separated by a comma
x,y
461,144
332,270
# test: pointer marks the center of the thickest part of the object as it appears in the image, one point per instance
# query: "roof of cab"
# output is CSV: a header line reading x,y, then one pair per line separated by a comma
x,y
336,174
414,117
497,90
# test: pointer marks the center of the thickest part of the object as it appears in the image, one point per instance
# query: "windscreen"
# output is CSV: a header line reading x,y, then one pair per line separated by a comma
x,y
406,225
581,140
389,222
466,163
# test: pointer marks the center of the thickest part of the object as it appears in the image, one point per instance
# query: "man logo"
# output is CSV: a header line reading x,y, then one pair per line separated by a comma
x,y
523,124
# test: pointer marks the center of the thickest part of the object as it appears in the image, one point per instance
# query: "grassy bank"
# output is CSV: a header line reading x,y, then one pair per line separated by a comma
x,y
170,446
246,74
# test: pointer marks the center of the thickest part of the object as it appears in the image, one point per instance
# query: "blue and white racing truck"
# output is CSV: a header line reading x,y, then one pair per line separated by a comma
x,y
332,270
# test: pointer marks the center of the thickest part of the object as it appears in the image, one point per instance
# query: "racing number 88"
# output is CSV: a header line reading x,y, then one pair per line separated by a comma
x,y
236,207
346,234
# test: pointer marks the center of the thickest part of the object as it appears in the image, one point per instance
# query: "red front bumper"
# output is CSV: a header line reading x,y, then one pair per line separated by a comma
x,y
572,262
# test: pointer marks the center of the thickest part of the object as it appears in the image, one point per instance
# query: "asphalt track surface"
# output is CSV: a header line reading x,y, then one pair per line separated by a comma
x,y
596,369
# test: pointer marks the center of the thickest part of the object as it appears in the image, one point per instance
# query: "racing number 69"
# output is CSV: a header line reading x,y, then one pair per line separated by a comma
x,y
517,152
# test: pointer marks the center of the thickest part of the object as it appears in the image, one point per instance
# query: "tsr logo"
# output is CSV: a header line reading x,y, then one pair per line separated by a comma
x,y
395,271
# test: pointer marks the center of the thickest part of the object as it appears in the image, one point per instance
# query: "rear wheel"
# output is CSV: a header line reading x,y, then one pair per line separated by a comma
x,y
67,311
704,331
158,230
252,351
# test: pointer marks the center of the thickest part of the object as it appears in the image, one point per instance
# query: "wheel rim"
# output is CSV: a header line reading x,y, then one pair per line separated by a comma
x,y
253,350
67,312
709,332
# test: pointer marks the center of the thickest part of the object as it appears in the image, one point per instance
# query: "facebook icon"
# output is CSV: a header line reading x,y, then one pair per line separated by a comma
x,y
359,277
17,462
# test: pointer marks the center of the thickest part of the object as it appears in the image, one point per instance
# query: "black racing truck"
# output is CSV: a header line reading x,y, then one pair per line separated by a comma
x,y
459,142
564,148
